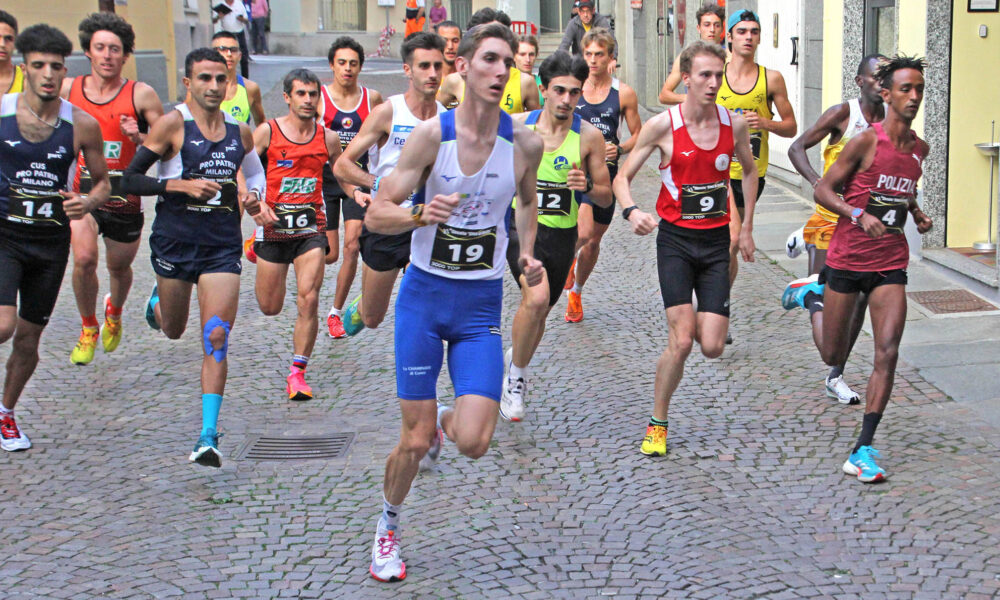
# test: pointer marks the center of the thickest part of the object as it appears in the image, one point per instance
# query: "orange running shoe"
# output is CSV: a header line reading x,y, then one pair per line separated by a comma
x,y
574,308
571,278
335,326
248,249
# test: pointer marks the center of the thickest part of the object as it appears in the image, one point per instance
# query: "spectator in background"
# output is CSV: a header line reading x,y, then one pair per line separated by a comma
x,y
258,15
438,13
235,22
414,18
585,19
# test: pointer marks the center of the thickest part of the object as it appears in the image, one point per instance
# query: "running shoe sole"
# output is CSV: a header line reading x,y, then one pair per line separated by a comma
x,y
401,577
206,456
850,469
854,400
298,396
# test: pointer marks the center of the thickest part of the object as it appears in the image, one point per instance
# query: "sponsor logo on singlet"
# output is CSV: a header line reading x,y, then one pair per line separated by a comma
x,y
347,122
112,150
297,185
284,164
560,163
722,162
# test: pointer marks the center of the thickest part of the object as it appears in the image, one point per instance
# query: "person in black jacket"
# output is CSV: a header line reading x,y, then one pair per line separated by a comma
x,y
585,19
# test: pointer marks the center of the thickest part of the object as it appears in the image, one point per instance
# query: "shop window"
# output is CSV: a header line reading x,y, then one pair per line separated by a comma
x,y
342,15
880,27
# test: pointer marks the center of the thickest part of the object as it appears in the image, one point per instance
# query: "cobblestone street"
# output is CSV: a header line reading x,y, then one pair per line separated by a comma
x,y
750,501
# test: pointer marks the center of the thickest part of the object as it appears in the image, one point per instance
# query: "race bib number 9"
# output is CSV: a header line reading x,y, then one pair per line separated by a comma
x,y
888,209
295,219
704,200
457,249
36,207
224,201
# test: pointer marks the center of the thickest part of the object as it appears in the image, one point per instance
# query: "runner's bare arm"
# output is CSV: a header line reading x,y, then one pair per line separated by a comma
x,y
667,94
256,102
415,162
594,165
922,221
656,134
630,112
262,138
787,126
529,92
374,131
829,124
149,109
87,139
448,92
528,148
856,156
741,139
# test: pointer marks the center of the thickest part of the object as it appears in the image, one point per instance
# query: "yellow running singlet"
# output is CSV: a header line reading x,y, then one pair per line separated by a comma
x,y
755,100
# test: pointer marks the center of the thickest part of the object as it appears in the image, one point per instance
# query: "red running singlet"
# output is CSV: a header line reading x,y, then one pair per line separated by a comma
x,y
294,185
694,192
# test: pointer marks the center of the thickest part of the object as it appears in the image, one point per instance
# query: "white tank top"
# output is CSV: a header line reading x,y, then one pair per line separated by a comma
x,y
472,244
382,160
857,122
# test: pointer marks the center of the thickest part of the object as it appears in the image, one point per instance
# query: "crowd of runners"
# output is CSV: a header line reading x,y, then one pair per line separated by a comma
x,y
480,166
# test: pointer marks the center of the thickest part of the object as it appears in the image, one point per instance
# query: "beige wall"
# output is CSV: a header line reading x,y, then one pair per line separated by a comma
x,y
376,13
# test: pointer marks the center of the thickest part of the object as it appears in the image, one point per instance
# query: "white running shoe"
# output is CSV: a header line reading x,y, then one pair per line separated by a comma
x,y
838,388
514,390
12,438
796,244
386,564
430,459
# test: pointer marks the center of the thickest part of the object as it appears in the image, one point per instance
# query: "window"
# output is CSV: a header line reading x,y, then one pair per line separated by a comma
x,y
880,27
342,15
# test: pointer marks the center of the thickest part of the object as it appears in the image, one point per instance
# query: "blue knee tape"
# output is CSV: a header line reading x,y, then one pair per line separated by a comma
x,y
220,354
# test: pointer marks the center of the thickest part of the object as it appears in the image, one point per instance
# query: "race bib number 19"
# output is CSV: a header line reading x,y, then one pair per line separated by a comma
x,y
457,249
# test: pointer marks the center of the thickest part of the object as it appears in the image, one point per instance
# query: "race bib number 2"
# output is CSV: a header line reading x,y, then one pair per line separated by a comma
x,y
223,201
457,249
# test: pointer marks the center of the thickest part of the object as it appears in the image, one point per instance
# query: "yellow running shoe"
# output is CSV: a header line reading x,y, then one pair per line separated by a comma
x,y
111,331
655,442
83,353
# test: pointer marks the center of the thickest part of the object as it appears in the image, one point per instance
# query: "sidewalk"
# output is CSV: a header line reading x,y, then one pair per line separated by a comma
x,y
957,353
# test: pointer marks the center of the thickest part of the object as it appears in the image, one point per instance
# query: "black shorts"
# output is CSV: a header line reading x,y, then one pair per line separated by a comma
x,y
738,190
286,251
335,203
604,216
119,227
555,247
852,282
385,252
175,259
694,260
34,269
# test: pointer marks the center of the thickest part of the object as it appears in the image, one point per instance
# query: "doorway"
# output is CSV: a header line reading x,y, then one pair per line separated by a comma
x,y
781,49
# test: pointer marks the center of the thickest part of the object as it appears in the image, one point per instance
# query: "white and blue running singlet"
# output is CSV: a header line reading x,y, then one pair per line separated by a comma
x,y
472,244
383,159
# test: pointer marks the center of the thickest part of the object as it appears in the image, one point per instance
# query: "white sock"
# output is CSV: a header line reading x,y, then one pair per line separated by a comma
x,y
336,312
516,372
390,514
6,411
576,288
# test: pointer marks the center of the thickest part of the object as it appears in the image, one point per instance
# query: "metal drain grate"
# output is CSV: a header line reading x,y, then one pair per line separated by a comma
x,y
329,446
951,301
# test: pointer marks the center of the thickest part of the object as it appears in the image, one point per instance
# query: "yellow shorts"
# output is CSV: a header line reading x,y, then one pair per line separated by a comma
x,y
818,231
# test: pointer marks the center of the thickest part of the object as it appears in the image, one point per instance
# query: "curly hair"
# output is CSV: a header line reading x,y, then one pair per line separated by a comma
x,y
110,22
888,68
45,39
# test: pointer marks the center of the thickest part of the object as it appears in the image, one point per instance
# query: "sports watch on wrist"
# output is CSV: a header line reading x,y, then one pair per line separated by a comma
x,y
856,214
627,212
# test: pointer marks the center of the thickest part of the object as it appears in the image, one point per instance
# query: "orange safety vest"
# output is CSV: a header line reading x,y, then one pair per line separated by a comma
x,y
413,24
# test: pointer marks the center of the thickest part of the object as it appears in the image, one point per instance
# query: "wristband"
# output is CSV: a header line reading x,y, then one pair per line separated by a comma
x,y
627,212
590,185
257,206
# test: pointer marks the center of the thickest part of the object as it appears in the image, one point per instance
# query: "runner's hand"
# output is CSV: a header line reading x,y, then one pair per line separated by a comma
x,y
753,119
747,246
610,151
872,226
202,189
438,210
642,223
260,212
362,199
532,269
924,223
74,205
576,179
130,128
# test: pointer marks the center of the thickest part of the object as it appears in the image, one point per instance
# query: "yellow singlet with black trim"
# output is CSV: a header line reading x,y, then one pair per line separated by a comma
x,y
17,83
558,206
510,102
239,106
754,100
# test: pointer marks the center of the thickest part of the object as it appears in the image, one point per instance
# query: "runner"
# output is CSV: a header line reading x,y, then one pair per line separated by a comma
x,y
710,18
878,171
451,33
125,110
527,53
841,123
385,132
573,164
196,238
295,149
696,139
521,92
243,98
346,57
453,289
42,135
605,103
764,88
11,75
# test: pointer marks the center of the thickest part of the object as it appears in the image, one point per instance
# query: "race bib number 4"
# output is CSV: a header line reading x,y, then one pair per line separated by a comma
x,y
223,201
295,219
554,199
457,249
704,200
888,209
36,207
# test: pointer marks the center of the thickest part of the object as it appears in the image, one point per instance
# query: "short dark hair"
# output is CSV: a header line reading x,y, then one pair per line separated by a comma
x,y
43,38
710,9
303,75
201,54
888,68
864,61
110,22
696,48
421,40
448,24
487,15
225,34
348,42
562,63
475,36
6,17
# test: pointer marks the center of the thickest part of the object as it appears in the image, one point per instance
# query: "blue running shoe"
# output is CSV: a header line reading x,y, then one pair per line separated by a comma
x,y
796,291
154,298
862,464
206,451
352,320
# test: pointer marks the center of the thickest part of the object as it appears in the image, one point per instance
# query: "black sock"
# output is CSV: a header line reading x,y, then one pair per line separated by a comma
x,y
868,426
655,421
835,373
813,302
